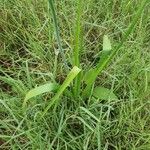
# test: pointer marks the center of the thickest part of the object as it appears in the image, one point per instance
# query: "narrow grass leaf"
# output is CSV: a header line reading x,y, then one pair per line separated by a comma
x,y
72,74
85,123
91,76
28,75
78,43
99,136
48,87
104,93
17,85
89,113
8,109
78,29
51,4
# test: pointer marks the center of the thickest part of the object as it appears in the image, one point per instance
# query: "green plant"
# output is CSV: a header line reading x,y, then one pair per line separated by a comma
x,y
42,106
89,78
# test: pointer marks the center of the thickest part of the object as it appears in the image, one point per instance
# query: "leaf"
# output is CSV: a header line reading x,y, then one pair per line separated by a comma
x,y
3,102
78,44
85,123
51,5
48,87
88,75
104,93
72,74
106,43
89,113
17,85
100,66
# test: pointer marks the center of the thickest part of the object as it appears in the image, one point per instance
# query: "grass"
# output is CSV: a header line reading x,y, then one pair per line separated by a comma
x,y
105,106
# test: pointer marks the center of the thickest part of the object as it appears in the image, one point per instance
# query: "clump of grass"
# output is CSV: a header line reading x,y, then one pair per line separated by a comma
x,y
92,107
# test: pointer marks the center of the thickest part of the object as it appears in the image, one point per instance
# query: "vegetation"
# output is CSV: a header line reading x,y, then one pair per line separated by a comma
x,y
75,75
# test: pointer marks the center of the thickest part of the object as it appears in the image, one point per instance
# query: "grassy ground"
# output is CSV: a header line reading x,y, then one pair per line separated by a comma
x,y
28,59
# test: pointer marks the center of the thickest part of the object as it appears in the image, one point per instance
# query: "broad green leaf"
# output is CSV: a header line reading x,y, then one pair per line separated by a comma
x,y
48,87
72,74
104,93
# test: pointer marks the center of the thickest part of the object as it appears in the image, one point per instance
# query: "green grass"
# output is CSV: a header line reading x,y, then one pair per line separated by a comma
x,y
45,104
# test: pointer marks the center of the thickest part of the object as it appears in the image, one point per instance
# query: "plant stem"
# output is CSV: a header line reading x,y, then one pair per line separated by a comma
x,y
61,51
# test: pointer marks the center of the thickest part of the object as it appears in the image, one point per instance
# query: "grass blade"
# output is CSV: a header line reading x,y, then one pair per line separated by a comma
x,y
89,113
106,44
8,109
48,87
78,30
51,4
85,123
17,85
72,74
105,53
78,45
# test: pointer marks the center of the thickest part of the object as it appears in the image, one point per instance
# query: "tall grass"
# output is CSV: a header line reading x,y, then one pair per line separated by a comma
x,y
106,57
91,106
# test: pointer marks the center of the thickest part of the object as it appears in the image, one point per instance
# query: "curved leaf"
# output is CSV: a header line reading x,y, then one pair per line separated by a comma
x,y
48,87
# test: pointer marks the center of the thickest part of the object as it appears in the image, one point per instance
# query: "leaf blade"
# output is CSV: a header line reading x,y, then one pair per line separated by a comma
x,y
72,74
106,52
89,113
106,43
17,85
104,93
48,87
